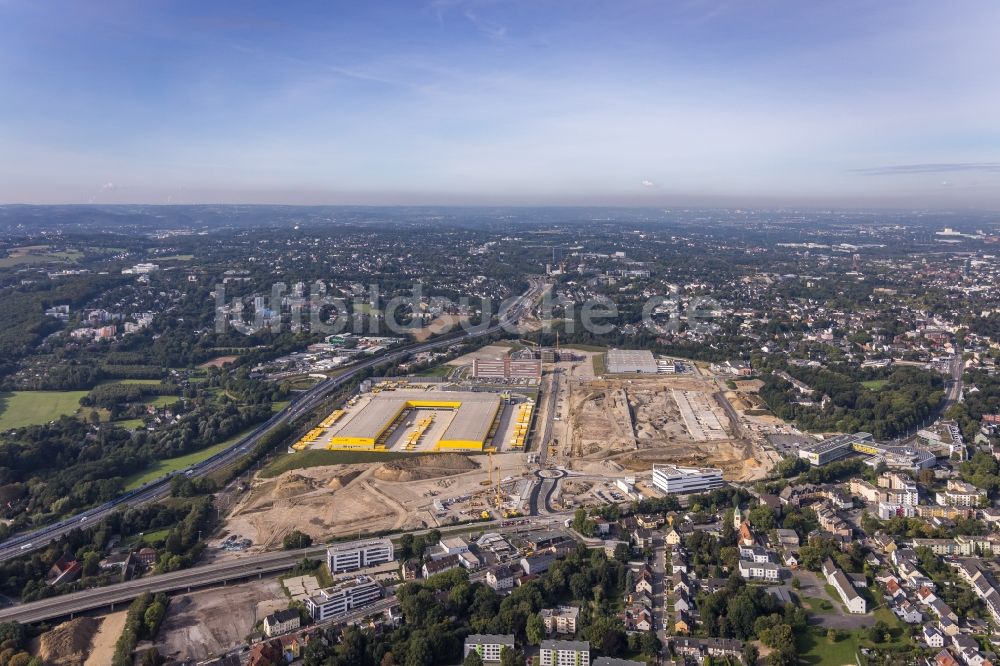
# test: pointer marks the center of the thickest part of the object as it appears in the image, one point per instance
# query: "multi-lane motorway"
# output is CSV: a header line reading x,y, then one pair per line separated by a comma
x,y
239,568
31,541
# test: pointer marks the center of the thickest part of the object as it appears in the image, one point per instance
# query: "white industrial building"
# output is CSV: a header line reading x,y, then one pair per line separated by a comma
x,y
677,480
357,555
343,596
631,361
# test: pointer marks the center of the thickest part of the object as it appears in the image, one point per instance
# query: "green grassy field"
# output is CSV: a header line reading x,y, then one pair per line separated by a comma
x,y
129,424
599,366
145,382
320,457
168,465
816,605
436,371
24,408
37,254
875,384
161,400
150,537
816,650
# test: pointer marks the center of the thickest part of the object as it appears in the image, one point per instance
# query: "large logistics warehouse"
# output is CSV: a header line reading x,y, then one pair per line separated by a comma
x,y
471,420
632,361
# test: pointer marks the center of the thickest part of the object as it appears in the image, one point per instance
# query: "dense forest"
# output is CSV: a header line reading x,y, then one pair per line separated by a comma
x,y
844,404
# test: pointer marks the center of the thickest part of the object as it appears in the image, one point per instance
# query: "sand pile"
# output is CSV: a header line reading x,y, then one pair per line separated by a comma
x,y
69,643
291,485
418,468
338,482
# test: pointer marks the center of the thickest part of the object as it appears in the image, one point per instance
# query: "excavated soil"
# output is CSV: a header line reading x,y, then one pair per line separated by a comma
x,y
425,467
69,643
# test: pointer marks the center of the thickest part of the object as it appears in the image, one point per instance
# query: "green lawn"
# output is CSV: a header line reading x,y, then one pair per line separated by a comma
x,y
150,537
162,467
816,605
320,457
280,405
875,384
37,254
129,424
159,401
436,371
816,650
24,408
599,366
147,382
586,348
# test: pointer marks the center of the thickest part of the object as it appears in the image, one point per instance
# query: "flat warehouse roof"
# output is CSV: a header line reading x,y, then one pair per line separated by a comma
x,y
631,360
474,414
473,419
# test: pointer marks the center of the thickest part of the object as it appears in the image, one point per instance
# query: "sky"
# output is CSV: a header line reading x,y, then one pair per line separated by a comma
x,y
853,103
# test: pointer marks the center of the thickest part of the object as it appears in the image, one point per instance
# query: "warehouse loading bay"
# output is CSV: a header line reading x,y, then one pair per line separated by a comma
x,y
411,417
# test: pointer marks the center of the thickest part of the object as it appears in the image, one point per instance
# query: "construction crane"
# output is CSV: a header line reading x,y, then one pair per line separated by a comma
x,y
489,455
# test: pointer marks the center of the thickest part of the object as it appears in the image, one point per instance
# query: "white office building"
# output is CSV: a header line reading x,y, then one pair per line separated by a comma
x,y
674,479
343,596
357,555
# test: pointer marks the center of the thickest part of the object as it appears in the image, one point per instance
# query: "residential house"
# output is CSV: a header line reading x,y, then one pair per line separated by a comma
x,y
281,622
500,577
766,571
561,620
854,602
933,636
432,567
908,613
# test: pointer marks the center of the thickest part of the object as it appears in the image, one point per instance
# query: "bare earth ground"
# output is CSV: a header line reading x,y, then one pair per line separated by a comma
x,y
69,643
443,324
636,422
201,624
342,500
489,351
103,648
218,361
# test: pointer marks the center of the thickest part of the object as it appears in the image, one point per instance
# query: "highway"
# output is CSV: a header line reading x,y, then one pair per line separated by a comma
x,y
26,543
240,568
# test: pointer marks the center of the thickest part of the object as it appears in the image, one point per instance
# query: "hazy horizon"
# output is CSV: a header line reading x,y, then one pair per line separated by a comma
x,y
695,103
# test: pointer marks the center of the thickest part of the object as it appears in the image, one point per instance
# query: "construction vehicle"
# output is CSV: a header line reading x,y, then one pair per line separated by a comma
x,y
485,515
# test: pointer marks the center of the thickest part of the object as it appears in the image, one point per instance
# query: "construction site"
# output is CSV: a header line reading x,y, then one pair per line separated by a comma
x,y
408,492
599,430
644,419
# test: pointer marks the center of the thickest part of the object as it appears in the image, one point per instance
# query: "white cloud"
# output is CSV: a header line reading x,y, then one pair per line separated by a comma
x,y
109,186
648,183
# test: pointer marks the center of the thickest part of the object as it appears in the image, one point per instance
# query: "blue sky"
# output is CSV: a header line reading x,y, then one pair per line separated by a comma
x,y
668,102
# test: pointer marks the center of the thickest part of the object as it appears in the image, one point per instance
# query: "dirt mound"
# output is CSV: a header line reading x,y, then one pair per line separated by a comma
x,y
339,482
69,643
418,468
292,485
